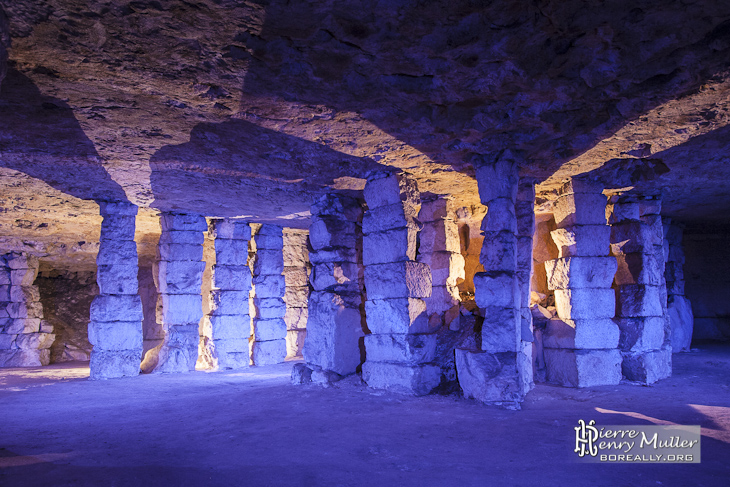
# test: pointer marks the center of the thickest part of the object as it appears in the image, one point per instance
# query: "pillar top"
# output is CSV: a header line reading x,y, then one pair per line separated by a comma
x,y
581,185
117,208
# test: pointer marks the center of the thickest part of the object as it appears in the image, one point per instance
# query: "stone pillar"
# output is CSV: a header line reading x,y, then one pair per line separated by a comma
x,y
296,275
679,308
400,349
497,372
226,328
637,244
335,326
115,326
180,303
269,329
152,334
580,347
650,207
525,214
207,357
440,248
25,338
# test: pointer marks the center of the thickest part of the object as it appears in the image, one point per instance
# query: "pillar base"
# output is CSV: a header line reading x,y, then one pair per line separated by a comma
x,y
24,358
110,364
177,353
417,380
492,378
647,367
583,368
269,352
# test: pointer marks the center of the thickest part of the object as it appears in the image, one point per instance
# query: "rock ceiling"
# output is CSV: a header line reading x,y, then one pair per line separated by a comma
x,y
253,108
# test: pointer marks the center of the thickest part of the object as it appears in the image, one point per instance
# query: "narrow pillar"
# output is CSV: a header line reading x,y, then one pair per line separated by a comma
x,y
679,308
400,348
637,244
580,347
115,326
269,329
296,275
496,372
227,326
152,334
333,347
525,214
180,307
25,338
650,207
440,249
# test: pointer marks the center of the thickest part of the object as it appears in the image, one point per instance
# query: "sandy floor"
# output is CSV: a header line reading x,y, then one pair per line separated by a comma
x,y
253,428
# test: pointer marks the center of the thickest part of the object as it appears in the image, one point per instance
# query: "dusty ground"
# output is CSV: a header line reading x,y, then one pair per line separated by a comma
x,y
254,428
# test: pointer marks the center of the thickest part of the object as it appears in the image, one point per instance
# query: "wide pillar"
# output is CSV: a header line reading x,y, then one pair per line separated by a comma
x,y
269,329
496,373
25,338
180,280
335,327
296,273
637,244
440,249
227,326
679,308
400,349
580,347
115,326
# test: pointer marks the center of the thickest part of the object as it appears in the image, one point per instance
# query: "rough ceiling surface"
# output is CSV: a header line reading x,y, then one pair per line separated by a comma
x,y
254,108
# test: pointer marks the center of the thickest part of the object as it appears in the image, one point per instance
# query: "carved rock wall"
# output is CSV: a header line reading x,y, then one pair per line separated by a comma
x,y
66,298
707,281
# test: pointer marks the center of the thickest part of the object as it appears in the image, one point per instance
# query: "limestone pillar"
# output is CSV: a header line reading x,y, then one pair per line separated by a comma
x,y
227,326
679,308
269,329
180,307
335,326
497,372
296,274
525,215
580,347
441,250
650,207
25,338
400,348
115,326
637,244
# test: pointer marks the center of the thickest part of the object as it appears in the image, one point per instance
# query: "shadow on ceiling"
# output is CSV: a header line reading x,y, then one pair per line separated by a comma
x,y
40,137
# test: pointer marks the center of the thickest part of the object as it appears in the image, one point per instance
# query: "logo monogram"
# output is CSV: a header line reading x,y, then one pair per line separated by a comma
x,y
585,438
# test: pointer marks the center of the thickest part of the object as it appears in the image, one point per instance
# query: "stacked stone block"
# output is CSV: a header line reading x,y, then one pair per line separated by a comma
x,y
180,279
580,347
25,338
335,327
440,248
115,326
498,372
679,308
399,350
637,245
227,326
269,328
296,273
